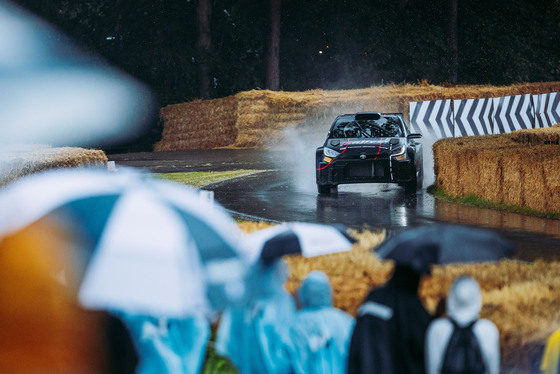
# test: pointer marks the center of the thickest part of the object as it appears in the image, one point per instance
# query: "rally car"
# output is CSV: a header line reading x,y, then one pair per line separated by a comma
x,y
369,147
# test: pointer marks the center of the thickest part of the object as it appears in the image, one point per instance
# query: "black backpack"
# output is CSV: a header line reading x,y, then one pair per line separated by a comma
x,y
463,354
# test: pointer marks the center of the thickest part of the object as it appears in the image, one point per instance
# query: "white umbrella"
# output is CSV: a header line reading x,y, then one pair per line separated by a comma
x,y
307,239
157,248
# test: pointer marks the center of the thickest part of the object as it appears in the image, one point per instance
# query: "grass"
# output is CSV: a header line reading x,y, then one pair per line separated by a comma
x,y
201,178
473,200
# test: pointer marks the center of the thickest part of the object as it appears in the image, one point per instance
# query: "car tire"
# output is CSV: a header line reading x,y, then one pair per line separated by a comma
x,y
415,184
412,186
324,188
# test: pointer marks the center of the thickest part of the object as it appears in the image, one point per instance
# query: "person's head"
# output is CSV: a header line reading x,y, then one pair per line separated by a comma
x,y
405,278
464,301
315,291
268,278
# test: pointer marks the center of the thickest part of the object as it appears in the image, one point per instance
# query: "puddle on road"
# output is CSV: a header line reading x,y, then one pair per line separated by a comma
x,y
447,211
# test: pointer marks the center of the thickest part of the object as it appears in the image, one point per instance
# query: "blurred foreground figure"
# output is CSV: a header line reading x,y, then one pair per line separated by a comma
x,y
251,336
175,346
390,328
448,351
78,244
551,356
43,329
54,92
319,334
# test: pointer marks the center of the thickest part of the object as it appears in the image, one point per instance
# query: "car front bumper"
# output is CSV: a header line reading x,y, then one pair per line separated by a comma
x,y
382,170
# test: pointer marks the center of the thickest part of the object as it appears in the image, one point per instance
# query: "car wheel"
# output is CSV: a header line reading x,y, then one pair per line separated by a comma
x,y
412,186
324,188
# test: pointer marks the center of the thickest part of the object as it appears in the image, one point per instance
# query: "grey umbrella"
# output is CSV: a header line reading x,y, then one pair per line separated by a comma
x,y
421,247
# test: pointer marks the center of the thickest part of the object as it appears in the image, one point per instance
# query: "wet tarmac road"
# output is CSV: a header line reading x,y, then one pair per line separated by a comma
x,y
287,192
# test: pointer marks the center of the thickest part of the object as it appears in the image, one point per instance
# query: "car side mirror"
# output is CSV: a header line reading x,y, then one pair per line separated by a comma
x,y
414,136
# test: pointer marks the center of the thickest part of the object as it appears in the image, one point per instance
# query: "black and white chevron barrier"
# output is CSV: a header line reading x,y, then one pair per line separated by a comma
x,y
513,113
499,115
547,109
433,118
473,117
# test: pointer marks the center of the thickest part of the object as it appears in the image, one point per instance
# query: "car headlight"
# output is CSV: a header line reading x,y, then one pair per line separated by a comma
x,y
399,152
330,152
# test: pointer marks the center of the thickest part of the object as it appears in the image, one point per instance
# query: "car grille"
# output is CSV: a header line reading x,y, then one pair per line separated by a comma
x,y
364,170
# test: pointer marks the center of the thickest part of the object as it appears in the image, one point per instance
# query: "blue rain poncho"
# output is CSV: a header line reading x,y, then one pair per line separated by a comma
x,y
251,336
189,338
319,334
175,346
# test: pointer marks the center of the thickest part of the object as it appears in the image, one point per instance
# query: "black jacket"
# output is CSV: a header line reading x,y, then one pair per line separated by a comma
x,y
388,337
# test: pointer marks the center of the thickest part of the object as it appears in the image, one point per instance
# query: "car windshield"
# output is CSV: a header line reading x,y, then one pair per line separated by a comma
x,y
385,127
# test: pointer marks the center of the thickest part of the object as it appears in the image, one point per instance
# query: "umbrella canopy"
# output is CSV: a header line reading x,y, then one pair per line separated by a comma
x,y
61,94
308,239
156,248
421,247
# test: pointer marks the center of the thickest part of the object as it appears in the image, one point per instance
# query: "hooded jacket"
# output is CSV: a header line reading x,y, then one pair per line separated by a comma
x,y
463,306
319,334
390,328
251,336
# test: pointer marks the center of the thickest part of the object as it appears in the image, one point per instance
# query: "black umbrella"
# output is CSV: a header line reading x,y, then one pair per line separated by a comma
x,y
421,247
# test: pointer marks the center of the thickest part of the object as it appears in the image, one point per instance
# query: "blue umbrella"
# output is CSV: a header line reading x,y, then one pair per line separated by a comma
x,y
423,246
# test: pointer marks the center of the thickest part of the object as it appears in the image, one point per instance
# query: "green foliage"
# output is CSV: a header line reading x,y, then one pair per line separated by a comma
x,y
216,364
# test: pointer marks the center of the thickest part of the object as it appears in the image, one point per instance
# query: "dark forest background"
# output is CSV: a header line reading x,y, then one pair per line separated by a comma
x,y
325,44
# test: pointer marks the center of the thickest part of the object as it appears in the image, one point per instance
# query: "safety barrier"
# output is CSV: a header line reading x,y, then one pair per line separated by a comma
x,y
455,118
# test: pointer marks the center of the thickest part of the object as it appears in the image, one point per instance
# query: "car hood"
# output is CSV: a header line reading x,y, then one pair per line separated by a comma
x,y
381,145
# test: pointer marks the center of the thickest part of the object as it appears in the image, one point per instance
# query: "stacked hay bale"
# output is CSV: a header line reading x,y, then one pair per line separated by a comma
x,y
20,160
519,168
260,118
199,124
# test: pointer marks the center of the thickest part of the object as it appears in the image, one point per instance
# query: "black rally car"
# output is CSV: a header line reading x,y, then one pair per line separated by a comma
x,y
369,147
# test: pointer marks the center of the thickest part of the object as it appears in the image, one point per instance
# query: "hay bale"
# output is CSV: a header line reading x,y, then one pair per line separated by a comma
x,y
258,118
19,160
518,168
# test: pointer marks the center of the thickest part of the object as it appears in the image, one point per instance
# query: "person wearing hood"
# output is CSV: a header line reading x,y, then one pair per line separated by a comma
x,y
174,346
152,343
189,338
319,334
463,306
390,328
251,336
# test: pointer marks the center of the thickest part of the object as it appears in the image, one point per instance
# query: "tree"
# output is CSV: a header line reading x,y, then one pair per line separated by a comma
x,y
204,44
452,41
273,48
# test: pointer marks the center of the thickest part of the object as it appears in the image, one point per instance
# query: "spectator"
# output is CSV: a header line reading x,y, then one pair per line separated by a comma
x,y
189,337
251,336
463,306
390,328
152,343
319,334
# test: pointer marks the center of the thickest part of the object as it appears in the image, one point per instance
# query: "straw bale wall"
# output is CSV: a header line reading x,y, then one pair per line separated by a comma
x,y
518,168
259,118
20,160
